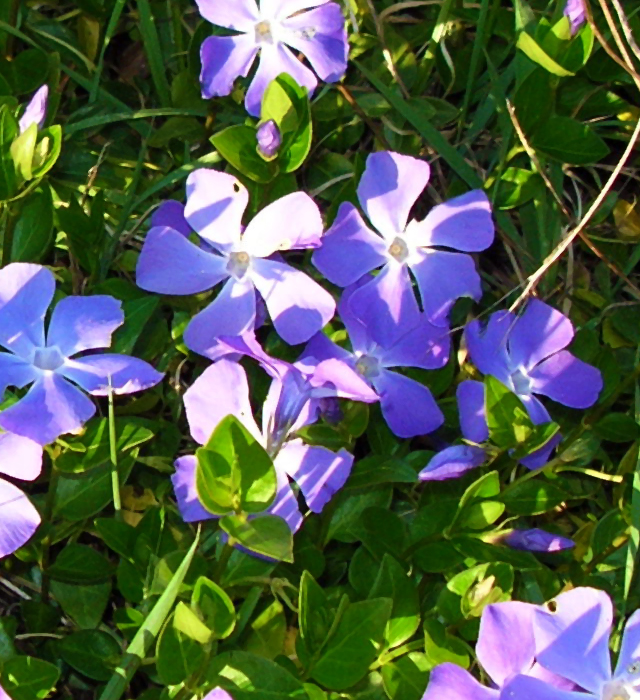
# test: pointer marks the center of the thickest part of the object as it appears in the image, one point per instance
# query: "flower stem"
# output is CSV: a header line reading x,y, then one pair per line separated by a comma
x,y
10,222
224,560
115,477
47,518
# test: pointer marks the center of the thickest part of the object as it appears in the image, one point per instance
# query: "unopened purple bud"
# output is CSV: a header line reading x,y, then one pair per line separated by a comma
x,y
269,139
36,111
536,540
216,694
576,12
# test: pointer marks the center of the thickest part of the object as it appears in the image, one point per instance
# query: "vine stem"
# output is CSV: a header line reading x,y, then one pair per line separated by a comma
x,y
10,222
47,517
113,453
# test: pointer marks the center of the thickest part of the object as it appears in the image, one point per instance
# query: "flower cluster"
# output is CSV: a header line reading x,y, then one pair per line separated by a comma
x,y
556,651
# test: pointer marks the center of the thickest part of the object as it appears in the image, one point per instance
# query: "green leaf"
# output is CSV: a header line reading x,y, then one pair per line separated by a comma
x,y
617,427
569,141
406,678
178,656
214,607
33,235
22,150
186,621
234,471
27,678
376,469
536,53
441,647
316,614
238,146
477,508
267,535
91,652
80,565
347,656
533,497
85,604
47,150
268,632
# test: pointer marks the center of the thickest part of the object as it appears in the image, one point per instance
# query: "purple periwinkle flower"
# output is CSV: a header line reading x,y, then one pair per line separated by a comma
x,y
269,30
572,640
390,186
408,406
54,363
576,13
215,694
36,110
170,264
269,139
535,540
20,458
453,462
506,649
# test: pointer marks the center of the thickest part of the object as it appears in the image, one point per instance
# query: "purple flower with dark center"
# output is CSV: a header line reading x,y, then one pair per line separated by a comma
x,y
572,640
576,13
269,139
319,34
36,110
390,186
408,406
170,264
55,364
505,649
291,403
535,540
20,458
215,694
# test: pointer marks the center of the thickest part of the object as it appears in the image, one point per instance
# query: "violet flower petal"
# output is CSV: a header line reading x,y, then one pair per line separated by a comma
x,y
321,348
407,406
241,15
576,13
26,291
389,187
349,248
266,233
299,307
487,344
269,139
20,458
527,687
334,377
184,487
18,521
36,110
216,693
101,374
541,456
471,407
216,203
170,214
536,540
443,278
361,342
285,505
425,346
224,59
572,637
451,682
453,462
14,371
567,380
51,408
84,323
281,9
630,648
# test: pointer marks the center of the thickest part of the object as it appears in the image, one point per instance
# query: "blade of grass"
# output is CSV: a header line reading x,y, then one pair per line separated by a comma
x,y
148,631
102,119
436,38
154,52
108,35
479,46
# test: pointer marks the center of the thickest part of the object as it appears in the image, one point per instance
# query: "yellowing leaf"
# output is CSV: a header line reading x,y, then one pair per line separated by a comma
x,y
627,220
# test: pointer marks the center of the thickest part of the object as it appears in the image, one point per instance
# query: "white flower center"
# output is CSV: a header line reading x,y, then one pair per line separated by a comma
x,y
265,33
626,686
521,382
238,264
307,32
48,359
368,366
399,250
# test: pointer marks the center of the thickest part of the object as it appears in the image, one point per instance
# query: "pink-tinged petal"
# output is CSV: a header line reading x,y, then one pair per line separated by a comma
x,y
530,688
51,408
321,36
26,292
84,323
266,234
231,313
386,305
20,458
319,472
224,59
538,333
171,264
285,505
334,377
541,673
463,223
576,12
184,487
170,214
450,682
425,346
299,307
630,649
36,110
443,278
274,60
14,371
216,693
536,540
567,380
453,462
349,248
216,203
101,374
505,641
408,406
389,187
221,390
18,521
572,637
241,15
3,695
473,419
487,344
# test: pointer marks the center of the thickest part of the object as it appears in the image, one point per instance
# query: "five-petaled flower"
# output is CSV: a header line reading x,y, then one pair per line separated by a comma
x,y
55,363
319,34
171,264
390,186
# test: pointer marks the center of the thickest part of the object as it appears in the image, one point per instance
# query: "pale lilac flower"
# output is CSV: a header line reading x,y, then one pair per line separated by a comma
x,y
576,13
536,540
319,34
572,641
291,403
20,458
215,694
55,363
269,139
170,264
36,110
506,650
390,186
408,406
